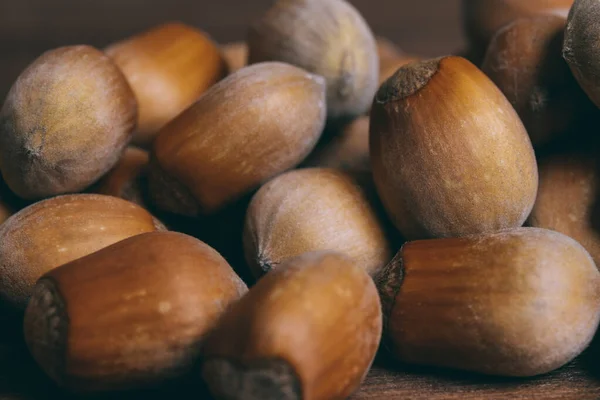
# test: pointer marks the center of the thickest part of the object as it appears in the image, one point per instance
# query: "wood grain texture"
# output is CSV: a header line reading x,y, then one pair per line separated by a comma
x,y
427,27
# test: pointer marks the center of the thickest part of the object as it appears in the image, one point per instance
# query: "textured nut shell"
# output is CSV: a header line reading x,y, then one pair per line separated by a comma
x,y
483,18
389,68
168,67
309,210
567,199
515,303
524,60
580,48
258,122
236,55
133,314
326,37
126,180
64,123
347,150
58,230
319,313
450,156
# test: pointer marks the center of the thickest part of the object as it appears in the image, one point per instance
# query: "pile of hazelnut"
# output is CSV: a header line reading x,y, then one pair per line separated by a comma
x,y
300,161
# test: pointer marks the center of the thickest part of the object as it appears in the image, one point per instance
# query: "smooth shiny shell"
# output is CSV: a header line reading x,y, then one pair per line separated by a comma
x,y
130,315
483,18
255,124
580,47
347,149
168,67
56,231
328,38
310,210
515,303
449,153
567,199
128,178
236,55
64,123
524,59
308,330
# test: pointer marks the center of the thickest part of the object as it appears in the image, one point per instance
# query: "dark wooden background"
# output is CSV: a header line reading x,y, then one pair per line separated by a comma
x,y
427,27
29,27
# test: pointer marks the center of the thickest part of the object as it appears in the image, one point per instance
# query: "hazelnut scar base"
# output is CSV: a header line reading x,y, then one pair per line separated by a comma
x,y
259,380
408,80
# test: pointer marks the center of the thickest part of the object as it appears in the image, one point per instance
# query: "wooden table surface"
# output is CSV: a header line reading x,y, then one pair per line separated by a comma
x,y
427,27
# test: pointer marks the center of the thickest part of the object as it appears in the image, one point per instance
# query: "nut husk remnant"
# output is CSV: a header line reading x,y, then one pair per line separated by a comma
x,y
53,232
521,302
450,155
310,210
130,315
308,330
325,37
168,68
253,125
65,122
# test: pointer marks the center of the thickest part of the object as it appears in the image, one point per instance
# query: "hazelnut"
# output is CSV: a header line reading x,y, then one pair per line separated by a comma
x,y
325,37
130,315
450,155
308,330
168,68
309,210
236,55
253,125
64,123
521,302
53,232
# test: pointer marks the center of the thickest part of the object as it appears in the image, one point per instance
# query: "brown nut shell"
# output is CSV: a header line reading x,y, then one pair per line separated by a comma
x,y
580,48
56,231
128,178
483,18
521,302
236,55
524,60
130,315
65,122
449,153
310,210
325,37
308,330
253,125
389,68
567,200
168,68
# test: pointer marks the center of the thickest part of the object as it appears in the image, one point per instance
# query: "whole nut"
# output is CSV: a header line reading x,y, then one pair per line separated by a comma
x,y
524,60
64,123
236,55
253,125
449,153
580,48
483,18
130,315
514,303
308,330
310,210
567,200
325,37
53,232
